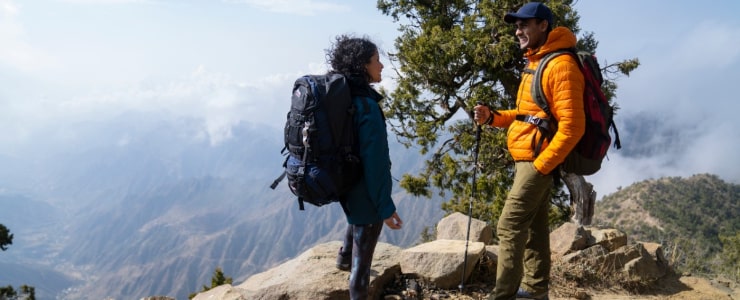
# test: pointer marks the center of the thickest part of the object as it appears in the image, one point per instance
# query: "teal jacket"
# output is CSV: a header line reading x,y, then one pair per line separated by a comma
x,y
369,201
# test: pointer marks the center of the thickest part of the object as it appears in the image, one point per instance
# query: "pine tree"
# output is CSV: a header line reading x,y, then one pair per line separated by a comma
x,y
217,279
450,56
6,238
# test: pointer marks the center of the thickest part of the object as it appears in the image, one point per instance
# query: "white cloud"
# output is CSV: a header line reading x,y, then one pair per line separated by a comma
x,y
714,151
7,8
216,98
687,77
15,52
711,45
295,7
620,171
705,147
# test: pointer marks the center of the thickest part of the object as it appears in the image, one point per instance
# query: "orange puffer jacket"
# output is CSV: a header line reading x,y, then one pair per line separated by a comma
x,y
563,86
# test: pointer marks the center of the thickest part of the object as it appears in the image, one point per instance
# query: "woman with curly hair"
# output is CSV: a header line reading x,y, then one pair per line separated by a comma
x,y
369,203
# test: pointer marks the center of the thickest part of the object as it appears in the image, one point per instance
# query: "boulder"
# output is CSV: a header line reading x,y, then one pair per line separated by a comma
x,y
656,251
441,262
610,238
313,275
645,267
568,238
455,227
616,259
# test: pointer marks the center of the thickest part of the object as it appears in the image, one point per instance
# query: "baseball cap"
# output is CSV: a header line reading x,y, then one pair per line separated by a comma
x,y
529,11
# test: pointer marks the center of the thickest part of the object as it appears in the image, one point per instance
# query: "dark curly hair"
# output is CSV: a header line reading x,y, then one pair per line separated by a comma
x,y
349,55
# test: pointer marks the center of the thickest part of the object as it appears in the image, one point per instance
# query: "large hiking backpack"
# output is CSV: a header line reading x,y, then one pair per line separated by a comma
x,y
320,141
586,157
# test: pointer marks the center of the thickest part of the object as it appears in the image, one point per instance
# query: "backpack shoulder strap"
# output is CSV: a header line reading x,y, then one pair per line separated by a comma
x,y
538,95
337,103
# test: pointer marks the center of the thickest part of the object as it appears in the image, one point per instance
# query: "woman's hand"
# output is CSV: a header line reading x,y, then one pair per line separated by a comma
x,y
394,221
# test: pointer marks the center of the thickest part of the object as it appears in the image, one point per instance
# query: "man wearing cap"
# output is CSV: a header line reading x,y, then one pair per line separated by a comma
x,y
523,269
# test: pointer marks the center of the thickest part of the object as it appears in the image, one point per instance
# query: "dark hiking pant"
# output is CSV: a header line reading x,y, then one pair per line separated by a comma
x,y
524,239
360,240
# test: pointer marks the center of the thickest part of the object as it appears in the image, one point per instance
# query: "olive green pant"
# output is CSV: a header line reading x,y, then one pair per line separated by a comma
x,y
523,233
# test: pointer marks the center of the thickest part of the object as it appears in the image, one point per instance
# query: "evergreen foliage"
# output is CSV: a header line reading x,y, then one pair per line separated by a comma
x,y
6,238
24,292
7,292
450,56
730,253
217,279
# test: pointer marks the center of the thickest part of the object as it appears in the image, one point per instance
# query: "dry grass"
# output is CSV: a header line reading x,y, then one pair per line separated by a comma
x,y
575,280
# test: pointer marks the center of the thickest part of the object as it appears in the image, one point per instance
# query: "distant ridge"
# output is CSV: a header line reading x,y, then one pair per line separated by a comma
x,y
687,215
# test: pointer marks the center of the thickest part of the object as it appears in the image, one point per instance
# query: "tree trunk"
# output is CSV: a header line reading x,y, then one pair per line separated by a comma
x,y
582,198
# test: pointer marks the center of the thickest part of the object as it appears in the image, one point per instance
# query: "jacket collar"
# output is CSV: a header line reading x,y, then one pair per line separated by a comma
x,y
559,38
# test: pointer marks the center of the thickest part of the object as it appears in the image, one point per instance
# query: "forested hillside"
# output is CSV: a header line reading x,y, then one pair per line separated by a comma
x,y
697,219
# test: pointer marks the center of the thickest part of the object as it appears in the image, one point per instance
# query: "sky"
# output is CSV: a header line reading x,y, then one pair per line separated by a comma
x,y
231,61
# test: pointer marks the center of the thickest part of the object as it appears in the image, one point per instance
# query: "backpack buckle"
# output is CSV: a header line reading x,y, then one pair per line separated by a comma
x,y
534,120
304,133
539,122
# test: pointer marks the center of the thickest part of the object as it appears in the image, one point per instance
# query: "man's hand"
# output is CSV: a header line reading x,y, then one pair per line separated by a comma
x,y
482,114
394,221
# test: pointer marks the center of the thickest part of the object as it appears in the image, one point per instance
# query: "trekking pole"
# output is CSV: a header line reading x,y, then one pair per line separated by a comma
x,y
470,202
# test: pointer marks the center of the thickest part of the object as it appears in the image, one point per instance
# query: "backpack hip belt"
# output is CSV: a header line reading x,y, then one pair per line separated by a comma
x,y
542,123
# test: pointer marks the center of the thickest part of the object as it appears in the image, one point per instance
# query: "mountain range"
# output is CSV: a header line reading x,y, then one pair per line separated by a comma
x,y
146,204
132,207
689,216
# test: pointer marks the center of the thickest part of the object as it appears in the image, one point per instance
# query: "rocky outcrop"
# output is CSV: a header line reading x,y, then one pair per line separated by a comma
x,y
440,263
607,249
313,275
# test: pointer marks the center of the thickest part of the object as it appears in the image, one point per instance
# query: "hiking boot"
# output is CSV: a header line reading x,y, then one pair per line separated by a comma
x,y
522,294
344,261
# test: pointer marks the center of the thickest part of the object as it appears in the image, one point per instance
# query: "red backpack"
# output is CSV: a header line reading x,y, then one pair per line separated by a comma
x,y
586,157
